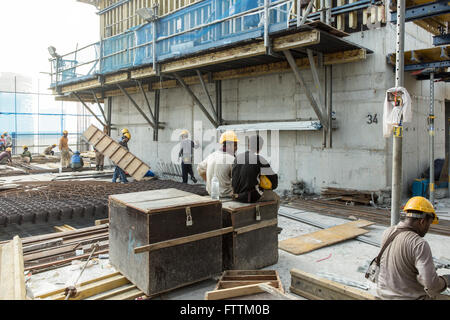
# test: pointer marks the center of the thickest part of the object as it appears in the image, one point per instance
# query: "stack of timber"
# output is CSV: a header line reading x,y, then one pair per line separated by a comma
x,y
158,259
347,195
113,150
113,286
379,216
253,244
49,251
12,279
236,283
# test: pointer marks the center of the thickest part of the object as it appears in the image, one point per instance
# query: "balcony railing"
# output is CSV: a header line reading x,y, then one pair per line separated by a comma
x,y
204,25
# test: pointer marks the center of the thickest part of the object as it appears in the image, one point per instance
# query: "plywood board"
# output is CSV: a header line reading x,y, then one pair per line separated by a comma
x,y
312,241
169,204
110,148
142,196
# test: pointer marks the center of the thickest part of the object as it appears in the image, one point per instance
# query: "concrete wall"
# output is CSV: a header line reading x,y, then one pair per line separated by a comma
x,y
360,157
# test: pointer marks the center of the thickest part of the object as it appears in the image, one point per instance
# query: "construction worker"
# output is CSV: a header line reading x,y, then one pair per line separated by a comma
x,y
126,133
64,148
76,163
8,140
187,154
219,164
49,150
407,270
5,156
118,172
99,160
26,155
252,177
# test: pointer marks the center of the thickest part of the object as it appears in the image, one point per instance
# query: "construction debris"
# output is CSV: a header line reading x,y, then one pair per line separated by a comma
x,y
347,195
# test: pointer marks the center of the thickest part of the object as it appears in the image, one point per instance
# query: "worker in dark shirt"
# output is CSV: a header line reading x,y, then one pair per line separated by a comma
x,y
118,172
253,179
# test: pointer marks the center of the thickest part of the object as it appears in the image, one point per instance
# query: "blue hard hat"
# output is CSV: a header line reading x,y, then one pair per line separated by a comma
x,y
77,152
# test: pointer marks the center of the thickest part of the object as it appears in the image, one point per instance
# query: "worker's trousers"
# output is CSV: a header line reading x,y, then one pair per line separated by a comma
x,y
119,173
65,158
186,169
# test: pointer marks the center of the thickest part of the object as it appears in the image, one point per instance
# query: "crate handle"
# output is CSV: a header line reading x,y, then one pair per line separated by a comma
x,y
189,221
258,214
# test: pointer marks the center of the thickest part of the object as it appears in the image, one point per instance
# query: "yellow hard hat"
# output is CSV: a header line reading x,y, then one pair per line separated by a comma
x,y
184,132
9,149
65,132
53,145
124,130
265,183
25,147
420,204
228,136
128,135
5,132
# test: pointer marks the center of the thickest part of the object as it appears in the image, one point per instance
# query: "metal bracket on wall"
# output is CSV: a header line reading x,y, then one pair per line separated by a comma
x,y
88,109
258,213
189,221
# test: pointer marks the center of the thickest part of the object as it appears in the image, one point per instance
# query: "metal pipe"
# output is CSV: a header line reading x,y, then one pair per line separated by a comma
x,y
154,45
431,132
266,25
397,137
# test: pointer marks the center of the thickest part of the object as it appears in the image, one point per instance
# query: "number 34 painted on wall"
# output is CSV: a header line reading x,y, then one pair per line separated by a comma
x,y
372,119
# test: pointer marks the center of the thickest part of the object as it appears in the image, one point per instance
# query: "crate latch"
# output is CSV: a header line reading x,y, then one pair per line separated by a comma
x,y
258,214
188,217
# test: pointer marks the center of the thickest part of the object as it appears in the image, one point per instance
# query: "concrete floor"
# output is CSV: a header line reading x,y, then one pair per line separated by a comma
x,y
342,260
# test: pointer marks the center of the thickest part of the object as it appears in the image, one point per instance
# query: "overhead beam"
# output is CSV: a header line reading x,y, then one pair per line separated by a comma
x,y
418,66
185,86
89,109
441,40
427,10
302,82
136,106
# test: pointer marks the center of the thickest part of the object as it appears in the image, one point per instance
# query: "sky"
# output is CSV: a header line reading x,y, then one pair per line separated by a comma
x,y
29,27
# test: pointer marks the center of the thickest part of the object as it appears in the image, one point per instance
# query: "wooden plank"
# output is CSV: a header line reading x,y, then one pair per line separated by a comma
x,y
117,78
101,221
119,154
262,224
249,272
182,240
134,166
111,149
233,284
340,19
353,18
95,288
296,40
141,171
58,291
43,245
126,160
315,288
247,277
89,84
345,57
104,143
112,293
319,239
12,279
233,292
130,295
90,132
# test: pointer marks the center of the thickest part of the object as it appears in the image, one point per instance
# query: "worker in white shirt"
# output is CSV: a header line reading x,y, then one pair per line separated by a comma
x,y
219,164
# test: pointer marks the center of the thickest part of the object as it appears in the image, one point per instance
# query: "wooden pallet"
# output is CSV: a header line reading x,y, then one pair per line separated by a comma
x,y
12,279
113,150
235,283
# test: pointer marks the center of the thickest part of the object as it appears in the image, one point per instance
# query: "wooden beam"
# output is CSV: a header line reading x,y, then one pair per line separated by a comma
x,y
112,293
142,73
315,288
117,78
80,86
101,221
182,240
256,226
233,292
12,279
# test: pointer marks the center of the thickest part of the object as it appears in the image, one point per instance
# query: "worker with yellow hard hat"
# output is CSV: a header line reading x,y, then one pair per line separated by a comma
x,y
26,155
186,154
8,140
252,177
5,156
118,172
49,150
217,166
64,149
406,268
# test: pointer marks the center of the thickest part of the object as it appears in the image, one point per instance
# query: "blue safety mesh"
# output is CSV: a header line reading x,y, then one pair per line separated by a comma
x,y
201,26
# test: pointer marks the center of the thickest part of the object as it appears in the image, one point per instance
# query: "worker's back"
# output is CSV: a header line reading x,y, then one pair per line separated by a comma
x,y
218,163
407,268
